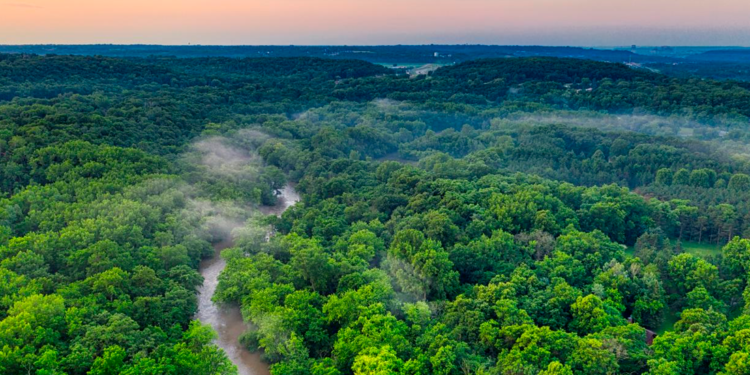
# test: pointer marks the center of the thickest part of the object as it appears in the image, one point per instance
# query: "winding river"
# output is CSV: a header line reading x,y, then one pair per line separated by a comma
x,y
227,320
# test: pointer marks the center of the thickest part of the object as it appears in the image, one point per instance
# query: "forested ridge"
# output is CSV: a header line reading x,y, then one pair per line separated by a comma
x,y
375,54
499,216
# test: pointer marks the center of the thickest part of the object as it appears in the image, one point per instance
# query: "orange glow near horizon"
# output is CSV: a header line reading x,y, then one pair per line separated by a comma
x,y
582,22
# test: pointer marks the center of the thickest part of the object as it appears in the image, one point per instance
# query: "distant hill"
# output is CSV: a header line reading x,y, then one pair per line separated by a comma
x,y
561,70
377,54
734,55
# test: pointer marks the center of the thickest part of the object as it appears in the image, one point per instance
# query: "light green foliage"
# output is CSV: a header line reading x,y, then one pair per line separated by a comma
x,y
421,266
588,314
557,368
591,357
373,361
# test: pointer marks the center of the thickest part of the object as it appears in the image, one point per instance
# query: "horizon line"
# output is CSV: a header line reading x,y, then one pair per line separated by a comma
x,y
372,45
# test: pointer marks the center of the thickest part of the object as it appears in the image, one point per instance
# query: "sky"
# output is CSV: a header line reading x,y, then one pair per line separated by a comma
x,y
316,22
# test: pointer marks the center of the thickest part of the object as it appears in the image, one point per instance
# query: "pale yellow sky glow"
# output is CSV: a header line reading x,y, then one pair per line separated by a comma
x,y
554,22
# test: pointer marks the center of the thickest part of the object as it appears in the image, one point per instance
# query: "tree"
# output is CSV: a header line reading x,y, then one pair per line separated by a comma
x,y
736,257
701,178
686,215
664,176
111,363
739,364
443,362
591,357
681,177
421,266
701,299
739,182
662,366
725,219
557,368
688,272
29,333
589,315
377,361
311,261
607,217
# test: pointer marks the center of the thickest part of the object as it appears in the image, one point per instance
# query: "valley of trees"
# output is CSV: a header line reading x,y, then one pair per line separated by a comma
x,y
499,216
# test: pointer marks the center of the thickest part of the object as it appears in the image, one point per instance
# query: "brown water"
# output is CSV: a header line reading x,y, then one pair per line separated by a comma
x,y
227,320
287,198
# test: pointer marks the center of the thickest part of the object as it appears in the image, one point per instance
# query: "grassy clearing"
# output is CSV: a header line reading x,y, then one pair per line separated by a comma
x,y
629,250
701,249
669,320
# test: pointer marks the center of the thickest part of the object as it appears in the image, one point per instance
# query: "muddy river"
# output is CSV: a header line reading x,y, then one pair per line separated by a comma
x,y
227,320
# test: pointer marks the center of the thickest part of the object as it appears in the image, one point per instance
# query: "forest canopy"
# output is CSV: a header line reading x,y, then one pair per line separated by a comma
x,y
498,216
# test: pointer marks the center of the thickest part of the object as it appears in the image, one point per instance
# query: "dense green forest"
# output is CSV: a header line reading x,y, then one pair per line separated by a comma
x,y
499,216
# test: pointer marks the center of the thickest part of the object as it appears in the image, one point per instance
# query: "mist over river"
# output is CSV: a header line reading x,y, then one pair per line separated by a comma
x,y
227,320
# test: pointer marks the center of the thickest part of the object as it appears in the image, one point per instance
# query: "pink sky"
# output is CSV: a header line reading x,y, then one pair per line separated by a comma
x,y
555,22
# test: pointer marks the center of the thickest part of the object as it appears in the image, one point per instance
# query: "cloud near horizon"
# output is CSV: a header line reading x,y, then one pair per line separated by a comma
x,y
551,22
